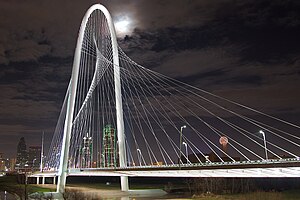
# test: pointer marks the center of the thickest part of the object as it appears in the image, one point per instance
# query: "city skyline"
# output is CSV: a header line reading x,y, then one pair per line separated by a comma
x,y
247,52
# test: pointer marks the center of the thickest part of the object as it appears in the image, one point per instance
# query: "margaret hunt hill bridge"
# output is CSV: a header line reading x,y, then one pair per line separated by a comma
x,y
122,119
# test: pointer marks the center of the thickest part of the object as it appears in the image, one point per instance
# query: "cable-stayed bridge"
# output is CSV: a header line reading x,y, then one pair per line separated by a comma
x,y
122,119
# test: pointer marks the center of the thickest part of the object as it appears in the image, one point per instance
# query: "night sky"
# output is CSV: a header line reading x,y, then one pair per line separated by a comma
x,y
247,51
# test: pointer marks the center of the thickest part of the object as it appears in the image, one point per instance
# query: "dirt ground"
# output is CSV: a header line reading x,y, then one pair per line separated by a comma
x,y
95,193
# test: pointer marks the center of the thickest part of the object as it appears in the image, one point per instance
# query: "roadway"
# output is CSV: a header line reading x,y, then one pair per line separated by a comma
x,y
261,168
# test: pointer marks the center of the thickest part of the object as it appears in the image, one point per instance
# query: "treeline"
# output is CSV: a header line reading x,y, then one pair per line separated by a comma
x,y
240,185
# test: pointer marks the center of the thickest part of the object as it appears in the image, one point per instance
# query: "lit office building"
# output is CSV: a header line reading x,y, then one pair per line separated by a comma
x,y
109,148
2,163
34,157
12,164
22,154
86,152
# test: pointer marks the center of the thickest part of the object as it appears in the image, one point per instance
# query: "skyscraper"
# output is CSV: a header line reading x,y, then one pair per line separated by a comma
x,y
2,163
109,149
34,157
22,154
12,164
86,152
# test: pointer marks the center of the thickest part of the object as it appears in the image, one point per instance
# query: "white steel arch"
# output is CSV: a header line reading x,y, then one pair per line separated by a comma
x,y
63,168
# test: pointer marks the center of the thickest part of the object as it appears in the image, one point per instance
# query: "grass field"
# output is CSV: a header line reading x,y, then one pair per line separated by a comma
x,y
259,195
9,183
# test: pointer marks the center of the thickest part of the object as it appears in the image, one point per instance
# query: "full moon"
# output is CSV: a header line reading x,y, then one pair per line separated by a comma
x,y
122,26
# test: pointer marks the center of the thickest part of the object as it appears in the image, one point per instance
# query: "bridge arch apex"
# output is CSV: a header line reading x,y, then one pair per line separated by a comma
x,y
63,168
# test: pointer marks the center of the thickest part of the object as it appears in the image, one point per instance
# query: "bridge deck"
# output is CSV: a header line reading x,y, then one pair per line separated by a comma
x,y
271,168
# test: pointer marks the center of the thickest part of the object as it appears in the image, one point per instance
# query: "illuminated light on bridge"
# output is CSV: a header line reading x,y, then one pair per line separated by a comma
x,y
148,110
224,141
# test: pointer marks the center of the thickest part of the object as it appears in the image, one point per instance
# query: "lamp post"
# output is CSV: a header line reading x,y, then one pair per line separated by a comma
x,y
139,156
186,151
26,182
98,159
103,160
33,166
42,154
180,143
207,159
265,144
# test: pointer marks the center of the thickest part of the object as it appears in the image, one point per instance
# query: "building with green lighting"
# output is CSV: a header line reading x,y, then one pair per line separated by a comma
x,y
109,147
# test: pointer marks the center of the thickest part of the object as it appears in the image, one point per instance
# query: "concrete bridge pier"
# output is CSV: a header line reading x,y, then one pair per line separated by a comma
x,y
38,179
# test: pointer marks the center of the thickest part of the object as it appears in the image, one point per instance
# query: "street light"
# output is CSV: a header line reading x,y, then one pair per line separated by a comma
x,y
186,151
33,162
139,156
26,181
180,142
42,154
264,137
103,159
206,159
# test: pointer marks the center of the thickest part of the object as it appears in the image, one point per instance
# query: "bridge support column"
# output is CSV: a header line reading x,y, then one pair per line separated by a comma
x,y
124,183
54,180
37,180
43,180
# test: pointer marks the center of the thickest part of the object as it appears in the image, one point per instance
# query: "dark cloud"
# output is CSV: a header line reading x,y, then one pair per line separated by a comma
x,y
247,51
174,13
37,29
266,29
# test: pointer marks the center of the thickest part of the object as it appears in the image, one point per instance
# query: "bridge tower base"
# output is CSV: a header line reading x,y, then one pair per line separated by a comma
x,y
124,184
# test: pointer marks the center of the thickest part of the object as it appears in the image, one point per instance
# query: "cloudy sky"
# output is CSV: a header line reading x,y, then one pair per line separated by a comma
x,y
247,51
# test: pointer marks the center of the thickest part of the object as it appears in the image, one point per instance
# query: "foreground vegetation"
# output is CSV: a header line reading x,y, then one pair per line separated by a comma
x,y
244,188
194,188
10,184
258,195
206,189
13,185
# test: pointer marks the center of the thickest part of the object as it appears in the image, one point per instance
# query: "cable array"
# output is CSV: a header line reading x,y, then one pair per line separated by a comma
x,y
167,122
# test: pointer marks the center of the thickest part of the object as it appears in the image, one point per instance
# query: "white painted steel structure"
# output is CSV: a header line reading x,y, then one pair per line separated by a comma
x,y
282,172
72,96
277,172
272,168
104,80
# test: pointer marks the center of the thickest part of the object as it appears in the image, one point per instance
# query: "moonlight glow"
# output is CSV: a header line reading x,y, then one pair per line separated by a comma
x,y
122,26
